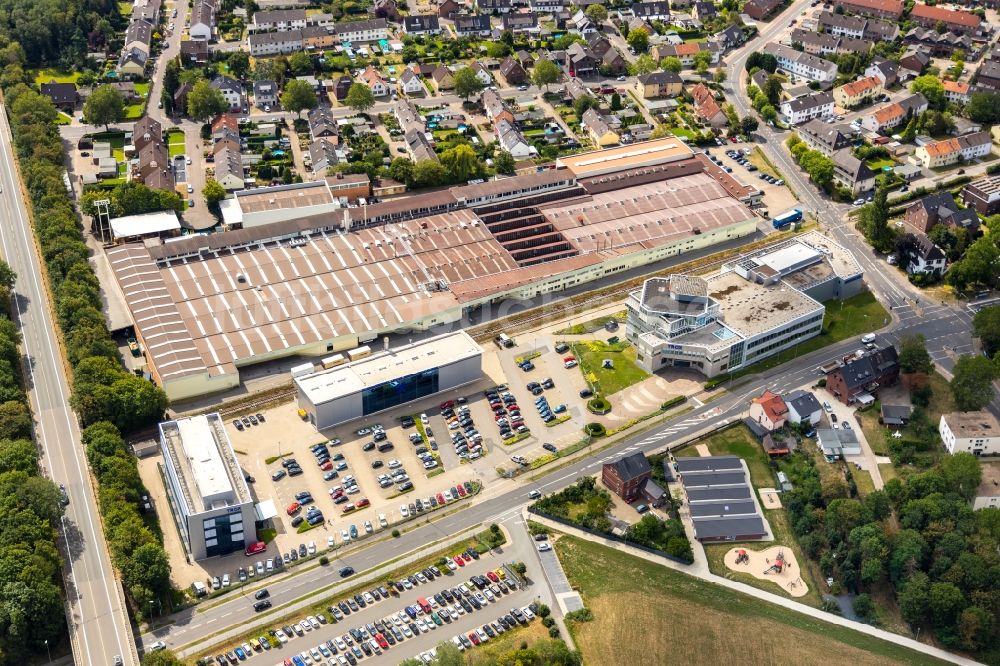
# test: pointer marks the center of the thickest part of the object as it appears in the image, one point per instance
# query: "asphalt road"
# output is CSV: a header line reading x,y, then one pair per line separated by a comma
x,y
99,627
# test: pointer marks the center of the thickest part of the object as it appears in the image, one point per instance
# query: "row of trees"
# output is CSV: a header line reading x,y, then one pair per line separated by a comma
x,y
31,611
816,164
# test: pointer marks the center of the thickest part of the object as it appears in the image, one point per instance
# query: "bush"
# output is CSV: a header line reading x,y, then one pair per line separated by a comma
x,y
582,615
595,429
821,383
547,622
395,534
554,631
324,560
543,610
520,568
599,405
676,400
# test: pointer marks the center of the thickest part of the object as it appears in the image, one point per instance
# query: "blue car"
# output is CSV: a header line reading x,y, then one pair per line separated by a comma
x,y
559,410
527,367
240,654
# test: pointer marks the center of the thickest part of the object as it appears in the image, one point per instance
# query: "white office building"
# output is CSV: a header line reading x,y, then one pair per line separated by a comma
x,y
389,379
208,493
975,432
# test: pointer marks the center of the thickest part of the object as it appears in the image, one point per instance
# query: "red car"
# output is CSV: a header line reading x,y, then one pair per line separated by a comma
x,y
363,502
327,466
384,644
461,491
349,507
256,547
447,404
293,508
459,561
513,408
468,558
440,498
492,576
474,638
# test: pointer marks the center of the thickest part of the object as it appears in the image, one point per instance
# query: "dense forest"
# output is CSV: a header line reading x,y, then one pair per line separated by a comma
x,y
58,32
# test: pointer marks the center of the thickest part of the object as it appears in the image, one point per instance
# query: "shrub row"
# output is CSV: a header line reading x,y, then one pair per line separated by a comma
x,y
676,400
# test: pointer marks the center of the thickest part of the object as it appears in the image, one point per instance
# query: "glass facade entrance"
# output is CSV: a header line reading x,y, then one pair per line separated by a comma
x,y
399,391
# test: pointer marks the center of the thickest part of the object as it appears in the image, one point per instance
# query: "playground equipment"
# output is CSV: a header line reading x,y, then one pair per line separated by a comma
x,y
742,557
779,564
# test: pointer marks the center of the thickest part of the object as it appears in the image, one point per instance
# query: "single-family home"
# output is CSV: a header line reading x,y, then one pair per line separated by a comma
x,y
231,89
626,476
582,61
410,83
729,37
229,169
926,257
63,95
194,51
956,91
444,78
482,73
940,208
323,154
322,123
225,126
705,10
652,11
760,10
856,93
803,407
807,107
145,131
914,61
495,108
495,6
887,71
449,9
387,9
600,131
706,108
202,23
513,141
949,151
153,167
371,78
265,94
421,24
473,25
418,147
894,114
659,84
864,376
769,410
513,72
520,22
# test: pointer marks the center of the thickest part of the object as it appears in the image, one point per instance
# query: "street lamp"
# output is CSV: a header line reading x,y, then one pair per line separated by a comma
x,y
47,651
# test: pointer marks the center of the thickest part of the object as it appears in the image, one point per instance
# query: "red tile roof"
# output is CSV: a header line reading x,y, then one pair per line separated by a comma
x,y
773,405
952,16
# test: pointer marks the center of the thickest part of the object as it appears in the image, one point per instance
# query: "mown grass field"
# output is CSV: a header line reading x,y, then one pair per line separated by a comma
x,y
647,614
608,381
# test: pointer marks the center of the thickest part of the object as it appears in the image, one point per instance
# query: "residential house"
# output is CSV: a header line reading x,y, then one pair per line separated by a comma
x,y
826,138
495,6
574,90
686,51
360,32
582,61
801,64
473,25
180,97
759,79
914,61
941,45
194,52
231,89
956,91
887,71
637,23
706,108
449,9
274,43
495,107
803,408
387,9
225,126
760,10
525,58
626,476
545,6
988,75
856,93
885,9
977,433
421,24
949,151
323,154
63,95
145,131
153,166
807,107
729,37
599,129
841,25
139,34
865,375
418,147
838,443
371,78
769,410
265,94
322,124
705,11
815,43
614,61
652,11
894,415
317,38
444,78
229,169
513,141
410,83
939,208
894,114
520,22
342,87
851,173
983,195
280,19
659,84
926,258
482,73
513,72
202,24
954,20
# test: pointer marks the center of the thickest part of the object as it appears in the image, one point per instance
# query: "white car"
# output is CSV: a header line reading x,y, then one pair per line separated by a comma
x,y
339,642
190,188
451,565
311,547
527,613
382,521
403,511
280,635
345,535
225,580
157,646
187,161
329,542
458,643
393,464
306,626
544,546
827,407
368,527
313,621
260,567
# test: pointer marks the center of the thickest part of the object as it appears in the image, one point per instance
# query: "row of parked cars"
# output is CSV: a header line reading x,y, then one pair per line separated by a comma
x,y
246,422
465,437
506,412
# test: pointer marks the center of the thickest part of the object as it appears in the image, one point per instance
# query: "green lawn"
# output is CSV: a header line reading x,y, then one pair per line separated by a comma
x,y
876,165
592,325
608,381
852,317
652,610
175,142
863,480
63,119
683,132
49,74
117,141
737,441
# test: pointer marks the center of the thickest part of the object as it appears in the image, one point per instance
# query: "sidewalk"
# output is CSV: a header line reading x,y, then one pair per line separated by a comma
x,y
703,573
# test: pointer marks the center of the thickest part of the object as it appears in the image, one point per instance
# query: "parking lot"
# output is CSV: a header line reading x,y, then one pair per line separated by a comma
x,y
777,197
386,625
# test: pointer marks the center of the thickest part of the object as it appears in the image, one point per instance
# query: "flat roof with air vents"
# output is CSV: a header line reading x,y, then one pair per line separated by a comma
x,y
645,153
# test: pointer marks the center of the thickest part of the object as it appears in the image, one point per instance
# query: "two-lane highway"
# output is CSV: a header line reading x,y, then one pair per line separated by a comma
x,y
99,626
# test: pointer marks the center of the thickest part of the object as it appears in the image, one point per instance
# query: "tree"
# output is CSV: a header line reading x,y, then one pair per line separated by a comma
x,y
719,76
758,60
467,84
18,455
702,60
930,87
596,13
616,102
429,173
214,192
299,96
972,383
461,162
239,64
401,169
638,40
913,356
504,163
204,102
873,220
670,63
984,107
749,124
300,63
359,97
864,608
962,472
161,658
946,602
15,420
104,106
773,87
978,266
644,64
986,326
546,72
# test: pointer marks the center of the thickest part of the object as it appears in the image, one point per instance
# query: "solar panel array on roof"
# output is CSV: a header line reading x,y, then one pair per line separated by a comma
x,y
720,499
